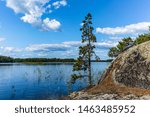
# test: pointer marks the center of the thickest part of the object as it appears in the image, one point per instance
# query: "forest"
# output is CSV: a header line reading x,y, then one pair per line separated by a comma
x,y
6,59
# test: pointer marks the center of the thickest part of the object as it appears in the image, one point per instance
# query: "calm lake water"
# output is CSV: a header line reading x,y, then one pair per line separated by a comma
x,y
37,82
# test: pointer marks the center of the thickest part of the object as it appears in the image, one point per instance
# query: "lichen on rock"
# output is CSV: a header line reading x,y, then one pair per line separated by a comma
x,y
127,77
134,68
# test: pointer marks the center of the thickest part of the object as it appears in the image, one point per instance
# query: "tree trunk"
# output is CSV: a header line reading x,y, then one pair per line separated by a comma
x,y
89,64
89,73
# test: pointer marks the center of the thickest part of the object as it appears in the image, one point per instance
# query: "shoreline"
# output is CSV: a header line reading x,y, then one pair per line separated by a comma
x,y
42,63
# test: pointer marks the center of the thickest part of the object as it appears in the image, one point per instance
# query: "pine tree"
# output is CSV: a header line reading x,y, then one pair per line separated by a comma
x,y
86,51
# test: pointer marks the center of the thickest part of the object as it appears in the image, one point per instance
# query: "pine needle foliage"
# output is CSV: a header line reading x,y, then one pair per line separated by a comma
x,y
82,66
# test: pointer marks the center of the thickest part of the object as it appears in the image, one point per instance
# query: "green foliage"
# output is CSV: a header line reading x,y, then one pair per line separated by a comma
x,y
142,38
75,77
121,46
36,60
126,43
4,59
86,51
79,65
113,52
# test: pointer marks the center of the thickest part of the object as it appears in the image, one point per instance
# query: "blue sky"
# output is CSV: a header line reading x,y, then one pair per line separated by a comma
x,y
50,28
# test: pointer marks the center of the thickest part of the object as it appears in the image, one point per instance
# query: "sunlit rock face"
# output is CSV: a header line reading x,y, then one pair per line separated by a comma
x,y
131,67
127,77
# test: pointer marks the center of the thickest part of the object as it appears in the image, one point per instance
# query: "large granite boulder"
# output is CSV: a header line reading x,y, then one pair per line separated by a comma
x,y
131,68
127,77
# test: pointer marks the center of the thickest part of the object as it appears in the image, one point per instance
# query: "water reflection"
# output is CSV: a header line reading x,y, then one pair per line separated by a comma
x,y
49,81
13,91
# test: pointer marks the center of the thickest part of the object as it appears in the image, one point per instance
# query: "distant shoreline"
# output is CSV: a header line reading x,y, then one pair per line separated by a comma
x,y
5,59
40,63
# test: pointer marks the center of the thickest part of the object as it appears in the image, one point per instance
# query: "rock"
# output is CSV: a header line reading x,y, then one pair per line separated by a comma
x,y
127,77
79,95
86,96
145,97
130,97
131,68
73,95
105,97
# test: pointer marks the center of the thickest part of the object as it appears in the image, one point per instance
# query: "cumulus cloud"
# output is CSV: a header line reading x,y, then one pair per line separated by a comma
x,y
67,49
128,29
65,46
30,7
102,44
33,10
8,49
64,49
31,19
46,47
58,4
72,43
51,24
11,49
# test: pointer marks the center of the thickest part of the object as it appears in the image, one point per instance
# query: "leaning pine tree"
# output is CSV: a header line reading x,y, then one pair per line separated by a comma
x,y
82,66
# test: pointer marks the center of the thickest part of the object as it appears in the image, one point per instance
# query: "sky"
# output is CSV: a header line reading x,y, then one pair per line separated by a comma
x,y
50,28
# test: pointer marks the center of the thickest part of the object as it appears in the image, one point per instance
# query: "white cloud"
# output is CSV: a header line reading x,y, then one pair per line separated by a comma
x,y
64,49
16,6
105,45
72,43
33,10
8,49
2,39
51,24
46,47
65,46
42,55
49,6
128,29
11,49
63,2
116,38
33,7
31,19
58,4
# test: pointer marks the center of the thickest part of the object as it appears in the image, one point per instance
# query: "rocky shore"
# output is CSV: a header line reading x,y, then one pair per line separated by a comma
x,y
104,96
127,78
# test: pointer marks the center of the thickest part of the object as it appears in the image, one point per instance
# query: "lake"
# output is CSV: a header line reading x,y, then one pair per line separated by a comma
x,y
39,82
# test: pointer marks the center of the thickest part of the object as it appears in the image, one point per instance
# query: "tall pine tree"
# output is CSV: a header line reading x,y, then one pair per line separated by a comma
x,y
86,51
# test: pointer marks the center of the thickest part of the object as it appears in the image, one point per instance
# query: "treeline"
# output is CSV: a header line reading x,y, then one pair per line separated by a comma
x,y
5,59
43,60
126,43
